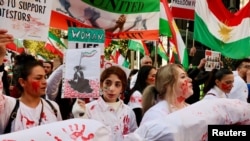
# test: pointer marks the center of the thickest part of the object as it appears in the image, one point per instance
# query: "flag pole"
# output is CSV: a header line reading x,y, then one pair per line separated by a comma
x,y
138,59
132,56
155,44
186,39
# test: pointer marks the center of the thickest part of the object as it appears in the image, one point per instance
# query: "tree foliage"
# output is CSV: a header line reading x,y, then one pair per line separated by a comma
x,y
121,45
38,47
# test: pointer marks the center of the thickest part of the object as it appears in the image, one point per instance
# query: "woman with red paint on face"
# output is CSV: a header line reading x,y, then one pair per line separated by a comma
x,y
219,83
172,87
30,80
109,108
145,77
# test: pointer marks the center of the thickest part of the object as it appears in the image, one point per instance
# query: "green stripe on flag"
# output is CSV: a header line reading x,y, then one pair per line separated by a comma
x,y
165,28
185,62
162,53
236,50
126,6
136,45
126,63
56,39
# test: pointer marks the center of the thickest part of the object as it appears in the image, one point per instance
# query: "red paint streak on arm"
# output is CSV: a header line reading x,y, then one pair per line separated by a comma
x,y
92,108
126,121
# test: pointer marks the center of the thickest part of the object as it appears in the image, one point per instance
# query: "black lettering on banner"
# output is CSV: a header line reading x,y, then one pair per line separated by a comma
x,y
126,35
15,14
12,3
87,45
235,132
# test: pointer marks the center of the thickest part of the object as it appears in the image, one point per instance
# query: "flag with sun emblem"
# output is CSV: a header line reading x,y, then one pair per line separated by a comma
x,y
220,30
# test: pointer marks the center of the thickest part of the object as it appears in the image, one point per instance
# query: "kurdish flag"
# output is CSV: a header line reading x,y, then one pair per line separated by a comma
x,y
161,51
169,28
221,30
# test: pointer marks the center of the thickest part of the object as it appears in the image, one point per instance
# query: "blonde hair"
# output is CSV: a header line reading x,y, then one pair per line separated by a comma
x,y
164,88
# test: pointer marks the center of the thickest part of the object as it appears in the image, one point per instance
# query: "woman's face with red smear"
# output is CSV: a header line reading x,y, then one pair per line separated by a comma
x,y
184,86
151,77
112,88
36,83
226,83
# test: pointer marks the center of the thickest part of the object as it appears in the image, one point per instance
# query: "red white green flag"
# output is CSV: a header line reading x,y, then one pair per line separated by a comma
x,y
179,49
222,31
52,45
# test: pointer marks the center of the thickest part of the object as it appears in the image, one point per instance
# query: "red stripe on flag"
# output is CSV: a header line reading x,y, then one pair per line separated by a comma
x,y
171,21
13,47
145,48
107,42
230,19
53,50
58,20
178,13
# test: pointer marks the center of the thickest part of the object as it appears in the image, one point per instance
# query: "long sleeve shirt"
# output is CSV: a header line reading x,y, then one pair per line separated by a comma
x,y
121,119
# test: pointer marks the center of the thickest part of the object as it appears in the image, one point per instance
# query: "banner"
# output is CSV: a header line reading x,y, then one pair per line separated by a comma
x,y
120,19
82,63
179,7
26,19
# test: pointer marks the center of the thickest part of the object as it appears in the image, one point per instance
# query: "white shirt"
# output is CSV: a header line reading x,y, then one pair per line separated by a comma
x,y
239,90
159,110
190,123
133,80
215,92
121,121
135,100
26,117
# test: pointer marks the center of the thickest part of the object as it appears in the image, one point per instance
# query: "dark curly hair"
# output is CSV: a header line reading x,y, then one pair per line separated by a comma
x,y
24,63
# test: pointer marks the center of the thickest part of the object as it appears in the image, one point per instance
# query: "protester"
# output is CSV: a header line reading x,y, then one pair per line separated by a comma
x,y
191,123
240,89
132,73
54,92
145,77
219,83
109,108
172,87
30,109
33,110
48,67
145,61
188,124
198,76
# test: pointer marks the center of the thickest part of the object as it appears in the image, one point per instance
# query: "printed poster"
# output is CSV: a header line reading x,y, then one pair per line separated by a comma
x,y
81,73
213,59
82,60
120,19
26,19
